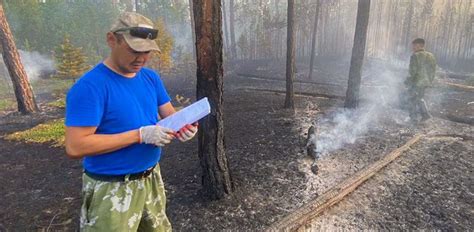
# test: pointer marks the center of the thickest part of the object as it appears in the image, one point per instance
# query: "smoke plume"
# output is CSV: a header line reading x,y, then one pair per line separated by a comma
x,y
35,64
382,85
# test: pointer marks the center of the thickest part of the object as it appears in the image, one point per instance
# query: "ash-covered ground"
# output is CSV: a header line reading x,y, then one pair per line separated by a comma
x,y
430,187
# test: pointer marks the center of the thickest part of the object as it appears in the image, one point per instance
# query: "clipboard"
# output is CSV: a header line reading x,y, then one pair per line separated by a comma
x,y
187,115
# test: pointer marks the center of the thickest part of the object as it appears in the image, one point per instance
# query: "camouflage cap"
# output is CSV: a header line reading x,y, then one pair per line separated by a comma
x,y
132,19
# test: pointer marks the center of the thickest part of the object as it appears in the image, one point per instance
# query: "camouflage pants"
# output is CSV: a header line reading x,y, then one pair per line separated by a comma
x,y
416,103
136,205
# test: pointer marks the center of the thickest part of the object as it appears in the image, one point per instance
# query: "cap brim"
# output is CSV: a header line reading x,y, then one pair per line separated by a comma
x,y
141,45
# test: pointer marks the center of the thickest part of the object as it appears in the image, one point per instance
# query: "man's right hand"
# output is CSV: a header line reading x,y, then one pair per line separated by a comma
x,y
156,135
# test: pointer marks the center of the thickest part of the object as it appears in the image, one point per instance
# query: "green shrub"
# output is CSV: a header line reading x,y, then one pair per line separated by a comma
x,y
49,132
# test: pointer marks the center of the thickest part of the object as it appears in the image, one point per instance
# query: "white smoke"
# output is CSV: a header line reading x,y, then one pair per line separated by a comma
x,y
380,97
35,64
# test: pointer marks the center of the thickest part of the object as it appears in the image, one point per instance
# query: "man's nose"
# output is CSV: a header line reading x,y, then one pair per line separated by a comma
x,y
141,57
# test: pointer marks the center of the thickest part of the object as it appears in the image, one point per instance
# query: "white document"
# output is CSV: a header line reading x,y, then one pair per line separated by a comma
x,y
188,115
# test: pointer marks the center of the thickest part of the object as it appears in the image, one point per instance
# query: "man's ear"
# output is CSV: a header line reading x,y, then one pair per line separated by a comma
x,y
111,39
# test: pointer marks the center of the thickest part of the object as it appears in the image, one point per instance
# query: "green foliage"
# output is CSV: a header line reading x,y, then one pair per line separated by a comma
x,y
41,25
172,12
50,132
163,61
70,61
44,23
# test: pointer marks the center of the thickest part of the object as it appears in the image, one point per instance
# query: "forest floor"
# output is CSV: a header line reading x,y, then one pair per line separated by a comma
x,y
429,187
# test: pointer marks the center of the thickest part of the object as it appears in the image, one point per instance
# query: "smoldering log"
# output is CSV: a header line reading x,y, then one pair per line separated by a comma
x,y
311,148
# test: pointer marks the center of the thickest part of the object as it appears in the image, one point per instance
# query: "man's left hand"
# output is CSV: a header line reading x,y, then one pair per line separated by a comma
x,y
187,132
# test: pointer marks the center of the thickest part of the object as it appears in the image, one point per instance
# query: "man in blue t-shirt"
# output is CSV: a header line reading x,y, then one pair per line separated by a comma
x,y
111,122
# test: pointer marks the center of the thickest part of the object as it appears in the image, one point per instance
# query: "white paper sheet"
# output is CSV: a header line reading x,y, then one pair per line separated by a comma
x,y
187,115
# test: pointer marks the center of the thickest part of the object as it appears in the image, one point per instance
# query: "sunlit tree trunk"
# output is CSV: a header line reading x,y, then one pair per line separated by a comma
x,y
129,5
233,46
226,30
23,92
358,52
313,40
192,27
408,27
216,177
137,6
290,56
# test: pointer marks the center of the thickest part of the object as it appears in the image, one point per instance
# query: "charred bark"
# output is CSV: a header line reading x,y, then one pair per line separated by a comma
x,y
290,56
216,177
23,92
358,52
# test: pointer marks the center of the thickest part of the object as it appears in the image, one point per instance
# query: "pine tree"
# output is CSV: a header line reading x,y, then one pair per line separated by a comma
x,y
71,63
216,175
23,92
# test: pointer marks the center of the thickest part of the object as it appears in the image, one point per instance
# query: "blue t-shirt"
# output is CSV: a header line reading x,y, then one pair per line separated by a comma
x,y
115,104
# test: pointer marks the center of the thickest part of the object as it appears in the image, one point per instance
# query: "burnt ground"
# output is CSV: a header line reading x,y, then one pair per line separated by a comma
x,y
430,187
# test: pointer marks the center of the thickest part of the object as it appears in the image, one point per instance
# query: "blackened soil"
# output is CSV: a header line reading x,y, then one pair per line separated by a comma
x,y
265,144
41,186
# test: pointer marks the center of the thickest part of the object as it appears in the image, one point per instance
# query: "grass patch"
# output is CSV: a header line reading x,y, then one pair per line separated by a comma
x,y
49,132
60,103
7,104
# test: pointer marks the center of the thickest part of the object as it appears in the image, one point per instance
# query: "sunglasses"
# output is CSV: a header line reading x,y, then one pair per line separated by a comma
x,y
141,32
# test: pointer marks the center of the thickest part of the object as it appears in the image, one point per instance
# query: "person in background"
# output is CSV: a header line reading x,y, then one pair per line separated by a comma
x,y
111,122
422,72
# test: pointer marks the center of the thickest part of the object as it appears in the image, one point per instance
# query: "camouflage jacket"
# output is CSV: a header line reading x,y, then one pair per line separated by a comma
x,y
422,69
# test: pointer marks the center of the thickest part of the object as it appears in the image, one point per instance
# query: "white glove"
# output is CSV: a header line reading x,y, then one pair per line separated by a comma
x,y
187,132
155,135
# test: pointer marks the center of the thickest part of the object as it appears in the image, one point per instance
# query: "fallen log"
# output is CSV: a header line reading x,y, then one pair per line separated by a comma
x,y
282,80
452,135
458,86
321,95
309,211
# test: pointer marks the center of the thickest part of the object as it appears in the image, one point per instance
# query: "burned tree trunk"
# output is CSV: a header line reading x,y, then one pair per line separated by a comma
x,y
290,56
23,92
313,41
216,179
358,52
